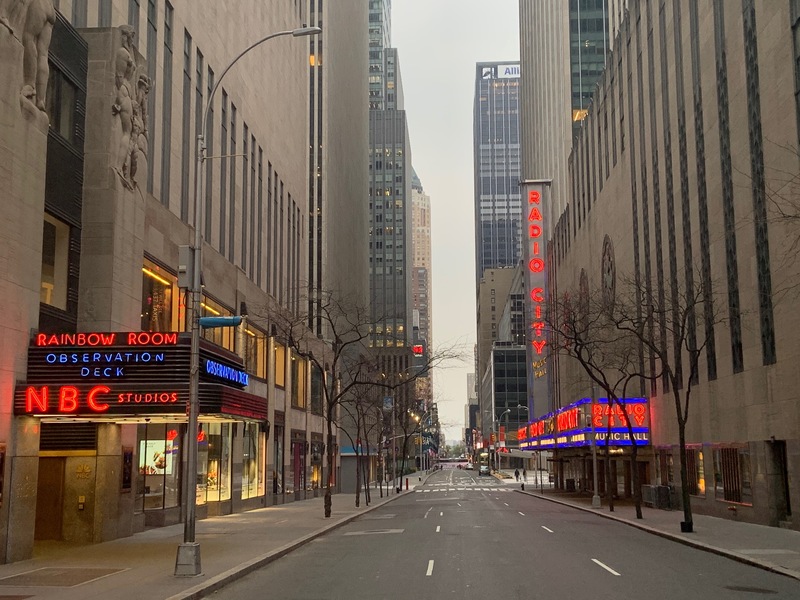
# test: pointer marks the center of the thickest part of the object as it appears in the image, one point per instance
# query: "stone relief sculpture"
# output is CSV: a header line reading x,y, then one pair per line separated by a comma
x,y
130,105
32,22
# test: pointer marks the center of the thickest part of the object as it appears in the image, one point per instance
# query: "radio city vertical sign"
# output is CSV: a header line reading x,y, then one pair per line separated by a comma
x,y
536,283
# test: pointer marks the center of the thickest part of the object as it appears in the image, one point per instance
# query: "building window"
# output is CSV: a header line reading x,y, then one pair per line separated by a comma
x,y
61,104
317,393
55,259
222,336
160,311
299,369
104,13
280,365
253,459
255,357
278,470
79,11
696,472
166,110
732,478
158,484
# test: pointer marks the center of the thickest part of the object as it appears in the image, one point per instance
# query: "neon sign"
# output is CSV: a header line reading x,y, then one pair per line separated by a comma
x,y
91,340
536,265
67,399
225,372
418,349
577,424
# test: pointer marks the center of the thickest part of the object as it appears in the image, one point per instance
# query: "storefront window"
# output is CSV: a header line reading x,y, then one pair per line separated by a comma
x,y
732,476
158,482
277,473
299,366
221,336
218,460
252,461
55,255
297,464
160,311
280,365
695,471
255,360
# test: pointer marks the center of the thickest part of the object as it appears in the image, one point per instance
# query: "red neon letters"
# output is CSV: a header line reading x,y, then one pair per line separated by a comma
x,y
536,265
38,401
602,414
67,399
136,338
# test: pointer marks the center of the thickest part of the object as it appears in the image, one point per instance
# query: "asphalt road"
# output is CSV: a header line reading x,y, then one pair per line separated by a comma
x,y
466,536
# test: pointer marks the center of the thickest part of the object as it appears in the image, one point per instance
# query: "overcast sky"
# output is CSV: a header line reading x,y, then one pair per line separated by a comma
x,y
439,42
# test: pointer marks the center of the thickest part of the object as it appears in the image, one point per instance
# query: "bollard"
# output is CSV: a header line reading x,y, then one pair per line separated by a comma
x,y
523,487
406,483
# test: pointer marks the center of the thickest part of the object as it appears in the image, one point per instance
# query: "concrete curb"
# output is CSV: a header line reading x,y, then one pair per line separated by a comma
x,y
217,582
676,538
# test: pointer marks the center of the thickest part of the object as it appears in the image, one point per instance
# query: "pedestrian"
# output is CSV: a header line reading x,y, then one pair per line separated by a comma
x,y
525,475
516,474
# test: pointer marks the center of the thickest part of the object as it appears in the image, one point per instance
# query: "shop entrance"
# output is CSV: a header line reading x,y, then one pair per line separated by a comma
x,y
783,503
50,499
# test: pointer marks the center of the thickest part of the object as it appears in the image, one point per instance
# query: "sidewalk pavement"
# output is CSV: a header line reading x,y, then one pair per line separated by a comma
x,y
141,567
770,548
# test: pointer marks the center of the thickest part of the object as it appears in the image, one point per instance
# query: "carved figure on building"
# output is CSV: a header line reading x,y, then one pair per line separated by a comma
x,y
130,105
139,133
32,22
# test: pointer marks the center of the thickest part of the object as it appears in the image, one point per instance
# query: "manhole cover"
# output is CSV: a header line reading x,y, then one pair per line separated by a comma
x,y
53,577
751,590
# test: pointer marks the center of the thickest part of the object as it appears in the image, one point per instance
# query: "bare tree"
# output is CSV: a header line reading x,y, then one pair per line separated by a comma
x,y
344,357
687,318
586,332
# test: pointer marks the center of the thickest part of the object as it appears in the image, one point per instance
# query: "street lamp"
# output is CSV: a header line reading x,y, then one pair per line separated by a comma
x,y
187,562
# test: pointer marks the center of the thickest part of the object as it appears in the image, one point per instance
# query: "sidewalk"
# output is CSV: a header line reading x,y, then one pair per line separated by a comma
x,y
770,548
142,566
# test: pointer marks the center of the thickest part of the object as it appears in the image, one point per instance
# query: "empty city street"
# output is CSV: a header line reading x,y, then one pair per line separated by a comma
x,y
461,535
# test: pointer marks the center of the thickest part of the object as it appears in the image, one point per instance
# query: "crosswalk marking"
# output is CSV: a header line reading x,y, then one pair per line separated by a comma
x,y
464,489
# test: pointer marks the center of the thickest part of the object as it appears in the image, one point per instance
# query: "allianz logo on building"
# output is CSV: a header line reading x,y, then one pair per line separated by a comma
x,y
507,71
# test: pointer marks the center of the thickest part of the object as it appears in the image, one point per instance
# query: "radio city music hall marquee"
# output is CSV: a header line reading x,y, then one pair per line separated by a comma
x,y
576,424
117,373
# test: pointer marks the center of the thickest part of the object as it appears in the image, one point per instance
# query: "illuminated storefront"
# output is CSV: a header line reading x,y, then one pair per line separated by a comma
x,y
139,381
570,433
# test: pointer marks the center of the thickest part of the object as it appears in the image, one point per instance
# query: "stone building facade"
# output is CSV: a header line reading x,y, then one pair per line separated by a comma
x,y
685,173
98,131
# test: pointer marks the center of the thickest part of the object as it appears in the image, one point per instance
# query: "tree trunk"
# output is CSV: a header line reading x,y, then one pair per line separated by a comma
x,y
358,476
609,478
330,449
687,526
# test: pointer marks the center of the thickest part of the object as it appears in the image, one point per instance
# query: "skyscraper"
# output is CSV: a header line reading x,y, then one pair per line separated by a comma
x,y
497,166
389,190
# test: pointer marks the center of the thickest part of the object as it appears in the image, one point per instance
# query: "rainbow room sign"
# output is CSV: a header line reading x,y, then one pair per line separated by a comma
x,y
120,373
573,425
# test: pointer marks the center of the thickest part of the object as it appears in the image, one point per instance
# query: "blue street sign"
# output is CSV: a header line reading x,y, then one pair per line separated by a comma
x,y
211,322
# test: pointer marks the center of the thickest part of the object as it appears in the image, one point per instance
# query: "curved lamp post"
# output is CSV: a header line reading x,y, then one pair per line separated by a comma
x,y
187,562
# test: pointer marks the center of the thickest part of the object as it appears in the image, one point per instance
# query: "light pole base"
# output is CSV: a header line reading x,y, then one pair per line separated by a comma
x,y
187,563
595,501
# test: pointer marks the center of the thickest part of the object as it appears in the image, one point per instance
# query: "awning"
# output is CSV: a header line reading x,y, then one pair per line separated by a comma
x,y
520,453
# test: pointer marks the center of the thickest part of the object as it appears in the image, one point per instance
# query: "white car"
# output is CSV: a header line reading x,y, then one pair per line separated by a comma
x,y
484,470
469,467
